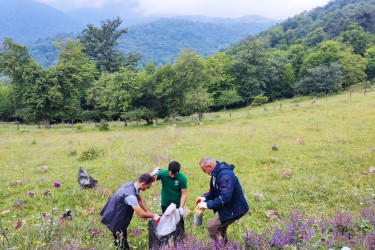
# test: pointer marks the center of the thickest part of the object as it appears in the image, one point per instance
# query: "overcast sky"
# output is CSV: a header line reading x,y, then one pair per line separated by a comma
x,y
278,9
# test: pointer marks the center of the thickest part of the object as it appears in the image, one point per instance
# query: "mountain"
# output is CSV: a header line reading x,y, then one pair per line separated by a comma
x,y
161,41
28,20
38,25
320,24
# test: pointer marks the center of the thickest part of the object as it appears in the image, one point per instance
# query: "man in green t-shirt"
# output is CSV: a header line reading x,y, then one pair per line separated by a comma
x,y
174,186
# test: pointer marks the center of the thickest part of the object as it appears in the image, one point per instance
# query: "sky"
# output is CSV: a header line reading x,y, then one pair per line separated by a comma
x,y
276,9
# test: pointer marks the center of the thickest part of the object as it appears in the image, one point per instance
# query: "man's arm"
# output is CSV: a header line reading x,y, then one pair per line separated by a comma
x,y
226,187
183,197
141,213
142,204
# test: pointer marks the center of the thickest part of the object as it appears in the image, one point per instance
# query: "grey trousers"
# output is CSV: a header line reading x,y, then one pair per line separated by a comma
x,y
217,230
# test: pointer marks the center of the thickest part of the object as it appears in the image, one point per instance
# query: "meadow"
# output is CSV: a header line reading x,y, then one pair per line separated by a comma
x,y
328,145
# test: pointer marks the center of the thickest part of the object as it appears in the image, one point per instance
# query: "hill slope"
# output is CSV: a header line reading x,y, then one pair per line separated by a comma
x,y
28,20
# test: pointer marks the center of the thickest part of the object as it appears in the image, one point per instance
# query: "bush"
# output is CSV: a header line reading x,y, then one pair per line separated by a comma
x,y
79,126
103,125
91,153
259,100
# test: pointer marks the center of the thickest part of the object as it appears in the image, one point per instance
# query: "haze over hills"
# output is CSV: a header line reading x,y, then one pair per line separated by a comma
x,y
37,25
28,20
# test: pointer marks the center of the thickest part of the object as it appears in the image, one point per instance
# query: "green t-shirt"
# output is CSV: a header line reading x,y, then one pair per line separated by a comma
x,y
171,188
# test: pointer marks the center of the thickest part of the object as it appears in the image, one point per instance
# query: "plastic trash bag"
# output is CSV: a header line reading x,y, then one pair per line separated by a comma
x,y
85,180
167,230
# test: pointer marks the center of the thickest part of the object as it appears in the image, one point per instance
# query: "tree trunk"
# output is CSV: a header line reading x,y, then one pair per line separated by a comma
x,y
200,115
156,121
18,125
47,123
126,124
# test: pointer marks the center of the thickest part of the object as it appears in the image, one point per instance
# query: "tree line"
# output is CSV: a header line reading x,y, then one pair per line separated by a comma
x,y
94,80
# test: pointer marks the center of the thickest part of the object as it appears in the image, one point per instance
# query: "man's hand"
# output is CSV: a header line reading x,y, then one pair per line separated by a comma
x,y
202,205
181,210
156,171
156,218
200,199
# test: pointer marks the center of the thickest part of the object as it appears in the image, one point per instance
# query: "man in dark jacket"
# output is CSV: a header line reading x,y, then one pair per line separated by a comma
x,y
225,197
118,211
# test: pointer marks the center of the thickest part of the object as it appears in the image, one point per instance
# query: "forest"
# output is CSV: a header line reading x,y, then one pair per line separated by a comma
x,y
320,52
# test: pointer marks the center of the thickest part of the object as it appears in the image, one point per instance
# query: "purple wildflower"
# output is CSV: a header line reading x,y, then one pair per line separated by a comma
x,y
30,193
57,184
95,232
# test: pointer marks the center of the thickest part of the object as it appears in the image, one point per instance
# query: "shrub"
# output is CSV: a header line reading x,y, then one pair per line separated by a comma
x,y
259,100
103,125
79,126
91,153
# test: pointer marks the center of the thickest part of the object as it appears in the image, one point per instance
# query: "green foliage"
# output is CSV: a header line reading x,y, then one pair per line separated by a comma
x,y
252,70
100,43
327,53
103,125
259,101
228,97
114,93
190,83
355,37
321,79
6,107
370,58
353,68
287,81
90,154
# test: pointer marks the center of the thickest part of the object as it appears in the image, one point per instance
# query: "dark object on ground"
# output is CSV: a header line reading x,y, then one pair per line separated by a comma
x,y
68,215
156,242
19,203
85,180
274,148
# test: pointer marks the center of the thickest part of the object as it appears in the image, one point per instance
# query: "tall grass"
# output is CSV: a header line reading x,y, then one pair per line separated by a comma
x,y
330,171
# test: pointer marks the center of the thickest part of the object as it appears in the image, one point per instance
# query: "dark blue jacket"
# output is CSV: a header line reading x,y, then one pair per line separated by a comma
x,y
116,215
226,195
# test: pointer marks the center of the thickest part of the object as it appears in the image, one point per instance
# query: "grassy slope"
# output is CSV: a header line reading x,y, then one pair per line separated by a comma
x,y
327,170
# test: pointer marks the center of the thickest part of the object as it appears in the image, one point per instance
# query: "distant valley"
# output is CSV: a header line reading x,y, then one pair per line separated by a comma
x,y
158,40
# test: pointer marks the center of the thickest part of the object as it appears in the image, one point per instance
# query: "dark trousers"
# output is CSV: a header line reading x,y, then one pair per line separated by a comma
x,y
121,241
163,208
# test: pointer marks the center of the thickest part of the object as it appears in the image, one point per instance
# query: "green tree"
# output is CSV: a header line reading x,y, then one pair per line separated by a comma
x,y
100,45
353,68
6,107
287,81
190,80
315,37
44,94
321,79
74,74
327,53
370,58
252,70
166,92
220,82
228,97
296,56
114,93
356,37
31,92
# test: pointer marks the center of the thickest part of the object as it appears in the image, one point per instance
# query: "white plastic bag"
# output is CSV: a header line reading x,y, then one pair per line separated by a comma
x,y
168,220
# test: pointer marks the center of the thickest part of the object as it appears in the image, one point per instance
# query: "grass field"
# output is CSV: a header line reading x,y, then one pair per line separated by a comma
x,y
330,171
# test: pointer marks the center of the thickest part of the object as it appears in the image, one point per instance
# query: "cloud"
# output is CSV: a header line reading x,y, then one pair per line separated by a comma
x,y
278,9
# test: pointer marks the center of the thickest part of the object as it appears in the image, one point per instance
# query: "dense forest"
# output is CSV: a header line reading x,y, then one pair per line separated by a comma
x,y
161,41
315,53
